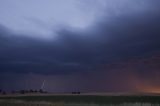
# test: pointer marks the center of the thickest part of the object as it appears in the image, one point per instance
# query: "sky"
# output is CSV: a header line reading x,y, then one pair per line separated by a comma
x,y
80,45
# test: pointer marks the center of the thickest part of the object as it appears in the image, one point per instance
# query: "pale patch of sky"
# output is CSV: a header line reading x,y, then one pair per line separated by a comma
x,y
42,18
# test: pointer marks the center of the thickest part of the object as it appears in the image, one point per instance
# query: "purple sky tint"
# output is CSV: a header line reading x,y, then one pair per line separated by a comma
x,y
79,45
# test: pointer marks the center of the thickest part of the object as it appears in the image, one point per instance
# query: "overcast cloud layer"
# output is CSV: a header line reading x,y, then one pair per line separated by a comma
x,y
41,19
60,37
125,34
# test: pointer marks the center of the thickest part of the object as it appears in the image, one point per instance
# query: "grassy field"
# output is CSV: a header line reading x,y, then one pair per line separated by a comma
x,y
24,103
79,100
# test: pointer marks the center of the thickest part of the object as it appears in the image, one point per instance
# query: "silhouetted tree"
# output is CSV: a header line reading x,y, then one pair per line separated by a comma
x,y
26,91
76,92
0,90
31,91
22,91
41,91
4,93
73,92
35,91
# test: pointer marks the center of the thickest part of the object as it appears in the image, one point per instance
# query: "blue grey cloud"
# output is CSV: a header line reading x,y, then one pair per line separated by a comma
x,y
122,37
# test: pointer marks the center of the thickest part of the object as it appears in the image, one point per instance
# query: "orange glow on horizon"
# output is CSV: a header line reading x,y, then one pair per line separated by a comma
x,y
145,85
149,89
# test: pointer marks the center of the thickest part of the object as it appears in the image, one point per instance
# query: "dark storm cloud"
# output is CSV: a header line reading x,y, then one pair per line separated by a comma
x,y
121,38
131,34
22,54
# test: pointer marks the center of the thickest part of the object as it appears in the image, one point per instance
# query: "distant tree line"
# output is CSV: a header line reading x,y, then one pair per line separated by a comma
x,y
76,92
2,92
29,91
23,91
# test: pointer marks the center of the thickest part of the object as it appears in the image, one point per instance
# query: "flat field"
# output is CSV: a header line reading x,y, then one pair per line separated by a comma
x,y
79,100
